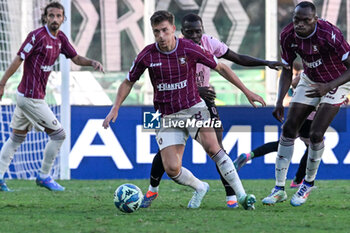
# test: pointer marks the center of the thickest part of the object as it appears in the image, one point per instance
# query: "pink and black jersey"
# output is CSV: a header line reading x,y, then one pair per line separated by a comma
x,y
322,53
173,74
39,52
215,47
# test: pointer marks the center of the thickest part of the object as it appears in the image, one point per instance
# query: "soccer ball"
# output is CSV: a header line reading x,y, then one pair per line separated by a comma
x,y
128,198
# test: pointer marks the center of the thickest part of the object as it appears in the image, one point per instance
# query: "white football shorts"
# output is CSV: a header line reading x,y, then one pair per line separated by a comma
x,y
33,112
336,96
176,127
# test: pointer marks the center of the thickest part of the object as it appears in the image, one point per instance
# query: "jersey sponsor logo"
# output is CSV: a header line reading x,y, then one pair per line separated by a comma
x,y
171,86
59,45
293,45
33,39
49,46
47,68
27,48
315,48
313,64
155,64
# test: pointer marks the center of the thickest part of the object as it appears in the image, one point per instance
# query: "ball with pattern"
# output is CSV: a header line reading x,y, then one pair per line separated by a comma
x,y
128,198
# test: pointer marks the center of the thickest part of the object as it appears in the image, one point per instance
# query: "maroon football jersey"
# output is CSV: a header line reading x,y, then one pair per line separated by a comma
x,y
322,52
173,74
39,52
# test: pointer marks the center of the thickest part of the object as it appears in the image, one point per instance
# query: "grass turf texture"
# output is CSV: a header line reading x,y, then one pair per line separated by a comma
x,y
87,206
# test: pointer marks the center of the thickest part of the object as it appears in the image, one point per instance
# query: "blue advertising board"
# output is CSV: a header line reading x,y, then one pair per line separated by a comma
x,y
126,149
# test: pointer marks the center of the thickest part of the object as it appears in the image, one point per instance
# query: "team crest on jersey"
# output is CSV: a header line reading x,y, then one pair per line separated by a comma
x,y
182,60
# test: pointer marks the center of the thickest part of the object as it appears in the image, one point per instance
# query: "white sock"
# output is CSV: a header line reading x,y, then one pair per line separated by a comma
x,y
313,160
153,189
231,198
8,150
43,176
228,171
185,177
284,156
50,153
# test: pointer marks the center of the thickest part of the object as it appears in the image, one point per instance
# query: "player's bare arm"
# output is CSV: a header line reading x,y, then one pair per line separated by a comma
x,y
83,61
8,73
284,84
123,92
321,89
245,60
230,76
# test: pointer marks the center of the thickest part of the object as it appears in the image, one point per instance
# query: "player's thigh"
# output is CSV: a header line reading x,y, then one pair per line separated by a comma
x,y
323,118
172,158
38,113
296,116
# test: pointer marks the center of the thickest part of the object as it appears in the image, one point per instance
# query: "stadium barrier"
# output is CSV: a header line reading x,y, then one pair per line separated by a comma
x,y
126,149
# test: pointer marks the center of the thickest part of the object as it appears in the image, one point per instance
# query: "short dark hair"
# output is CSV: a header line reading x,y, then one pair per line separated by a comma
x,y
191,18
160,16
306,4
51,5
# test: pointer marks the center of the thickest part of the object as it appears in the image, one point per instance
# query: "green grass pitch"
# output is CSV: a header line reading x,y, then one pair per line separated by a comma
x,y
87,206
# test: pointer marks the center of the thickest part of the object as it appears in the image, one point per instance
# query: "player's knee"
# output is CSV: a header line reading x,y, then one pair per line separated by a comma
x,y
172,169
289,132
316,137
58,135
19,138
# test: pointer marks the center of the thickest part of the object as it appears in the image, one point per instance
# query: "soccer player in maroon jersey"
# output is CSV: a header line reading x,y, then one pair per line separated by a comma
x,y
192,29
171,63
325,56
39,52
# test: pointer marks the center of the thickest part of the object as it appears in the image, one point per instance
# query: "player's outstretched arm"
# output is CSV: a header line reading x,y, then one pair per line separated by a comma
x,y
8,73
283,87
321,89
84,61
230,76
245,60
123,91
